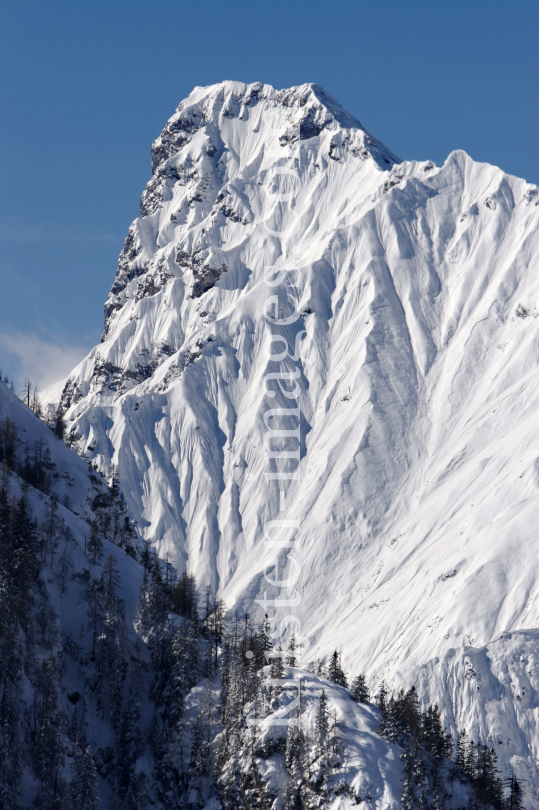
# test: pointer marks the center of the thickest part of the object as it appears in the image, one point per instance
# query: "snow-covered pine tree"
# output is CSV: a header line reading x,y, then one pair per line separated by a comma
x,y
177,688
277,675
436,741
335,673
110,654
487,785
192,653
143,608
225,666
84,783
137,795
48,759
230,777
24,559
359,691
334,741
296,763
51,526
322,725
414,777
381,698
208,665
199,762
265,641
158,598
291,657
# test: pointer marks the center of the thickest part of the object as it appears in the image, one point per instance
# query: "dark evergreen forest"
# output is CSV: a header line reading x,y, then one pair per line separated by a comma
x,y
172,704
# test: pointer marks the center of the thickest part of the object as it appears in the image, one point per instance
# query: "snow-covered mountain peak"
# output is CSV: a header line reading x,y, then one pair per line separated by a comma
x,y
415,290
308,107
226,150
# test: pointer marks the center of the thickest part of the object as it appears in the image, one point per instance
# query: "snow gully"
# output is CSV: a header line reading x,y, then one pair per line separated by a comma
x,y
282,424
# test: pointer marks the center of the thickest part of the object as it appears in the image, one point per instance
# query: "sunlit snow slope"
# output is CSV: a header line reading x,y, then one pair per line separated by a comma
x,y
418,287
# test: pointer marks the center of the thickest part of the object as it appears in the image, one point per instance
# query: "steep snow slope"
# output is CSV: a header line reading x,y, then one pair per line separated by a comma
x,y
62,635
494,693
368,765
418,291
71,482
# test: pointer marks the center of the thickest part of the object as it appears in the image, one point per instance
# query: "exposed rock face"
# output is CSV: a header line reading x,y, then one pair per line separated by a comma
x,y
418,386
190,158
205,276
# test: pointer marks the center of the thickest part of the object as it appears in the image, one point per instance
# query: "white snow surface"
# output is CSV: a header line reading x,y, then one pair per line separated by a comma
x,y
418,289
370,765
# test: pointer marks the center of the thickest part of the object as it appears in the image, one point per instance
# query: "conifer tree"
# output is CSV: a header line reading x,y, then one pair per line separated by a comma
x,y
178,677
162,662
143,607
110,660
461,752
296,794
137,795
94,597
146,556
199,763
436,741
381,698
9,443
277,674
50,528
487,786
48,748
265,640
334,741
184,598
95,543
414,777
158,600
24,562
359,691
208,667
335,673
254,788
514,800
225,680
291,658
10,742
193,654
84,783
322,724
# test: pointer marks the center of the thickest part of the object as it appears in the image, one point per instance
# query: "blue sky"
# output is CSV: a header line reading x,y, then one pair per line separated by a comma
x,y
85,88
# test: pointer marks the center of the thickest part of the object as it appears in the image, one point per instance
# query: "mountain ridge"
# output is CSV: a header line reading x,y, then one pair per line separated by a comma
x,y
415,287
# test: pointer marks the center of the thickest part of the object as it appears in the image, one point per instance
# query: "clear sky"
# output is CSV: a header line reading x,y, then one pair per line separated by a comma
x,y
86,87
